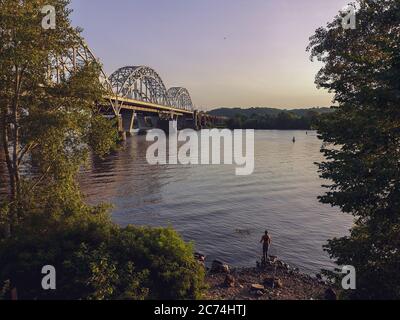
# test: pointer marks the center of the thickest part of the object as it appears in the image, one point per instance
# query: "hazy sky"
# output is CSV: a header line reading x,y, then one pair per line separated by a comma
x,y
229,53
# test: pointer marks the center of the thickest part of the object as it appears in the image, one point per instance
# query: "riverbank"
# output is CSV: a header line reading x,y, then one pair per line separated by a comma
x,y
277,281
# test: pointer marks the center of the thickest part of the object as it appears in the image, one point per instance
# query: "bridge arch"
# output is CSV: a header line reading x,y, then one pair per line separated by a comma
x,y
135,82
139,83
61,67
179,97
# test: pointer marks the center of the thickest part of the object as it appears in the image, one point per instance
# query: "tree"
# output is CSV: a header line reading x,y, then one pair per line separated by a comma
x,y
48,129
48,126
362,68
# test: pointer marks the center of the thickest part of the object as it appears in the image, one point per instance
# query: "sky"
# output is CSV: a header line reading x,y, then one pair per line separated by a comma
x,y
227,53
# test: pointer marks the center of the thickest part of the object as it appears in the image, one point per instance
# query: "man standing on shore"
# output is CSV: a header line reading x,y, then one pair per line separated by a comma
x,y
266,241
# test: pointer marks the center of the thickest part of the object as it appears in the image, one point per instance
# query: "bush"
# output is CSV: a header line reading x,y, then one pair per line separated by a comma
x,y
169,261
95,261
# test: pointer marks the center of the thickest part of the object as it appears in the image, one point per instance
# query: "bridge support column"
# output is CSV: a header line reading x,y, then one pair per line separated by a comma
x,y
128,118
142,125
141,122
200,121
120,128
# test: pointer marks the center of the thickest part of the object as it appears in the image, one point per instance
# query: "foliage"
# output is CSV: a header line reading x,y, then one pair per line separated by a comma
x,y
170,261
47,126
362,68
98,260
264,111
47,132
282,121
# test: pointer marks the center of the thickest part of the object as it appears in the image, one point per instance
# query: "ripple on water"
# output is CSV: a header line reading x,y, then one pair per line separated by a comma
x,y
209,204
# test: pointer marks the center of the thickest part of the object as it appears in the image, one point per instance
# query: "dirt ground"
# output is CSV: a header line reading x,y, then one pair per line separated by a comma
x,y
270,283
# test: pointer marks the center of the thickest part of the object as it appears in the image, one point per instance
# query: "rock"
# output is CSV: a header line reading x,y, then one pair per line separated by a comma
x,y
200,257
257,287
269,282
259,293
319,276
229,281
273,283
282,265
264,264
330,294
273,259
278,283
219,267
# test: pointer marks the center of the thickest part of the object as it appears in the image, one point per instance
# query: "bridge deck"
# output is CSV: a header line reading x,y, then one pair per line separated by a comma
x,y
137,105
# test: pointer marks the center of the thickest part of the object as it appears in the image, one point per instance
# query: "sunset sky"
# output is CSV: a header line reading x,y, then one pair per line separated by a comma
x,y
231,53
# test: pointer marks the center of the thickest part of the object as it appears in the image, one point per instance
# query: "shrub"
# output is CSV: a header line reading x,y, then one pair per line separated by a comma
x,y
94,261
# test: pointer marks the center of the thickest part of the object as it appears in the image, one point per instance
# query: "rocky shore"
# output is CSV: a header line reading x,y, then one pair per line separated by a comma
x,y
275,280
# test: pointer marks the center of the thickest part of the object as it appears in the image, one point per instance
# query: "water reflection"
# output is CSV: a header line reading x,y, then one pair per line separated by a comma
x,y
226,214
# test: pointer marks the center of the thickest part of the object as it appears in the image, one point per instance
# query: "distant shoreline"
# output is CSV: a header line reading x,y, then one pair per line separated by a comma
x,y
271,119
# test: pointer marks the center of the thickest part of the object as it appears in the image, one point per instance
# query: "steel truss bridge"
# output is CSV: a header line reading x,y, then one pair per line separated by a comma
x,y
136,95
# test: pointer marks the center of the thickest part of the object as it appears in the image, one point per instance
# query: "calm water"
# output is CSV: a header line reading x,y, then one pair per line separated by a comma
x,y
226,215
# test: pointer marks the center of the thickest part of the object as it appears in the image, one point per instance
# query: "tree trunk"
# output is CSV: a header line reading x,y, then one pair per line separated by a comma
x,y
10,133
15,177
5,145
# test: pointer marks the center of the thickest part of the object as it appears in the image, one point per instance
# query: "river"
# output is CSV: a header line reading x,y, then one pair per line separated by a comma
x,y
223,214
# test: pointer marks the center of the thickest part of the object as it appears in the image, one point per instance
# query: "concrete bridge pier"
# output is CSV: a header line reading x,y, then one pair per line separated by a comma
x,y
142,124
141,121
127,121
196,120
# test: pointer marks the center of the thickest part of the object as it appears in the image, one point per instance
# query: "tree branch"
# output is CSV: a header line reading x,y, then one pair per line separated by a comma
x,y
28,148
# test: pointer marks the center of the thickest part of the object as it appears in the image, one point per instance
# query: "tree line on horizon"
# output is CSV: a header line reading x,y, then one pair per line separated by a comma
x,y
271,119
